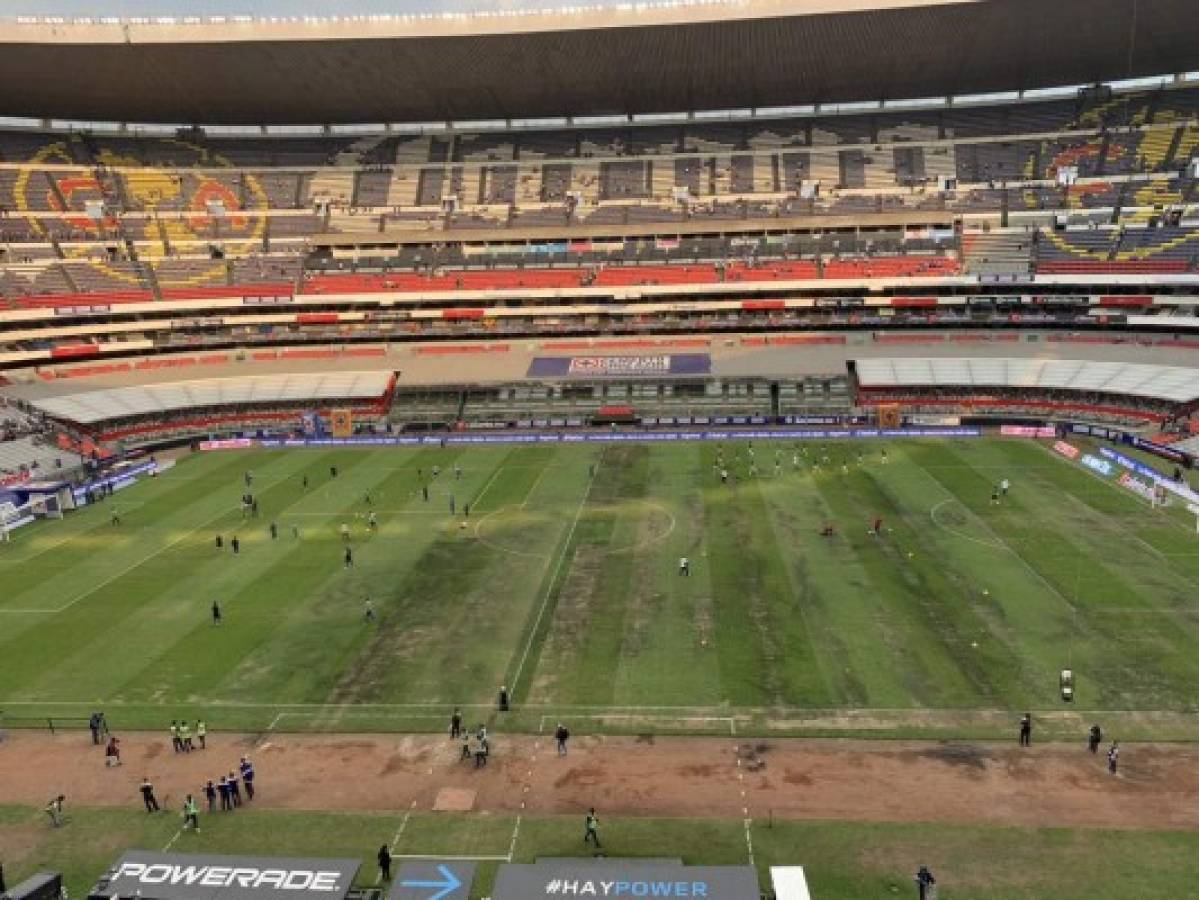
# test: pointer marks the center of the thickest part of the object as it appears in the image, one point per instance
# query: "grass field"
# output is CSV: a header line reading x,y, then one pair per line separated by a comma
x,y
563,584
843,861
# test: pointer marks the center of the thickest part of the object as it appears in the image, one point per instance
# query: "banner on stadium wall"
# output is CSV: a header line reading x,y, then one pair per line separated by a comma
x,y
1095,464
620,366
1181,490
1143,489
196,876
1162,450
1067,450
628,437
227,444
341,423
1028,431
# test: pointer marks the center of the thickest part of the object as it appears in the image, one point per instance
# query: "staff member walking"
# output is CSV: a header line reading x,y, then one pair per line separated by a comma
x,y
148,797
384,863
591,835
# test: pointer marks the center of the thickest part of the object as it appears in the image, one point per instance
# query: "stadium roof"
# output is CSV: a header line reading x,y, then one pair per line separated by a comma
x,y
622,59
1160,382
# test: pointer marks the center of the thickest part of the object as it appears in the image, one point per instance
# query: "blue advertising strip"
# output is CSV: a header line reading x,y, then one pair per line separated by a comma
x,y
1162,450
627,437
122,479
1151,473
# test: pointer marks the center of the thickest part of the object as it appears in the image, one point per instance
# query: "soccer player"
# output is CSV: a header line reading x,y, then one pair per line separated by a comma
x,y
345,531
561,735
684,566
114,516
236,545
1026,730
220,542
372,521
349,557
1113,757
216,613
274,531
456,724
995,495
1004,485
877,527
370,610
202,734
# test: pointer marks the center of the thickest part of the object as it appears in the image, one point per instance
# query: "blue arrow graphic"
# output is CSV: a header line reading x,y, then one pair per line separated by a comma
x,y
448,885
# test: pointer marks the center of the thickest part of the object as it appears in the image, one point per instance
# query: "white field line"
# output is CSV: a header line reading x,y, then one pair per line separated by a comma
x,y
395,839
169,844
749,841
141,562
524,503
490,481
515,835
1125,493
575,711
1024,562
122,572
549,587
933,515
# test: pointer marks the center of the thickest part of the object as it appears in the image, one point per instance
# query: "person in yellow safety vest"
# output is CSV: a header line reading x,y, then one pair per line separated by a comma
x,y
185,737
175,742
201,733
191,813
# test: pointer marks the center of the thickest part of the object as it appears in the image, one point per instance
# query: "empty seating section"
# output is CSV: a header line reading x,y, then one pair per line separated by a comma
x,y
34,457
1118,251
190,272
88,192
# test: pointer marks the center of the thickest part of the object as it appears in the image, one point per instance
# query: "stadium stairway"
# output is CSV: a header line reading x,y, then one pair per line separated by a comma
x,y
998,254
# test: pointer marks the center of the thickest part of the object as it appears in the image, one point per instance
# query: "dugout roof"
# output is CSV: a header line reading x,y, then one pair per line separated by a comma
x,y
625,59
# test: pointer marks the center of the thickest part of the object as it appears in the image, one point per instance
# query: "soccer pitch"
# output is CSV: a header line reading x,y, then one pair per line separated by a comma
x,y
563,583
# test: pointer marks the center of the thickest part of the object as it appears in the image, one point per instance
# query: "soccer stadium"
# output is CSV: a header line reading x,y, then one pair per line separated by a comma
x,y
734,450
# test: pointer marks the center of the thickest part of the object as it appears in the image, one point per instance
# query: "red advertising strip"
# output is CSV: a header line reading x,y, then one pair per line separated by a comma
x,y
463,313
308,354
265,354
74,350
1138,301
169,363
318,318
1067,450
754,305
445,349
914,302
789,339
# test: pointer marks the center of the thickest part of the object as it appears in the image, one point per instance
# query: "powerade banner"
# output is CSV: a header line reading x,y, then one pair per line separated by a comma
x,y
195,876
619,366
624,880
628,437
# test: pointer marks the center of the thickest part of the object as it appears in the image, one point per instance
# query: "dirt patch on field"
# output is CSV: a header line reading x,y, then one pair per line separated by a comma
x,y
1046,785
